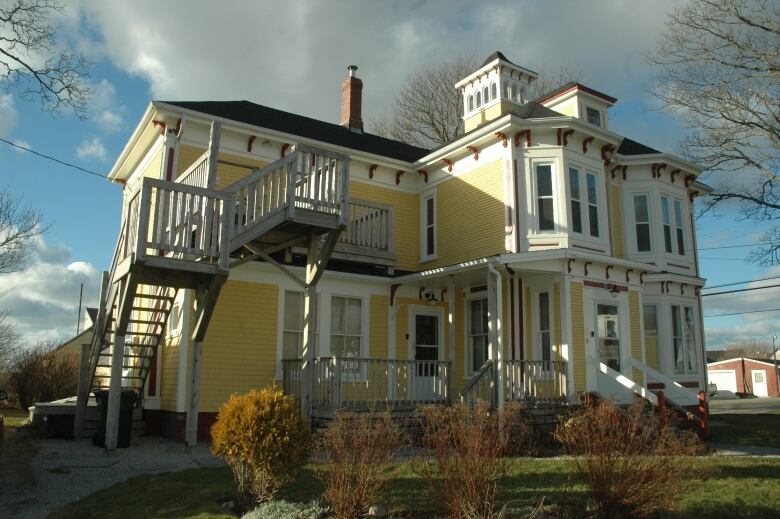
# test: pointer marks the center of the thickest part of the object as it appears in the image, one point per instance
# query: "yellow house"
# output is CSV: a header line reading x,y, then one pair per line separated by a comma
x,y
538,258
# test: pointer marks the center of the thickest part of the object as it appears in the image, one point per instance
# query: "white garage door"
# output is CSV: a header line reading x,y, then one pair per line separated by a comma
x,y
725,379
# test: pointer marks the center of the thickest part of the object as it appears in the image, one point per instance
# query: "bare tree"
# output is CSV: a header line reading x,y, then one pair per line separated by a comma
x,y
757,349
19,226
428,111
41,373
9,341
550,79
719,68
31,62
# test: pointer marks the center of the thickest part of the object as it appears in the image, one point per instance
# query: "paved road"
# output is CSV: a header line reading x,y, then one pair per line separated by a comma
x,y
745,406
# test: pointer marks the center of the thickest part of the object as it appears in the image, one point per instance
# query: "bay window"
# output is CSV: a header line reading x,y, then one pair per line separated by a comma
x,y
593,207
576,204
428,231
642,223
678,222
667,224
684,340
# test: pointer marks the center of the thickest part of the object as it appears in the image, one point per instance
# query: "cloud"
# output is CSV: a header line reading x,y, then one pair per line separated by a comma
x,y
92,149
293,55
42,299
23,144
105,109
8,115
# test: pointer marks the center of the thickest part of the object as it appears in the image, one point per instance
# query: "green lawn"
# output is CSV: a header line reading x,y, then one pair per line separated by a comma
x,y
14,417
735,487
761,430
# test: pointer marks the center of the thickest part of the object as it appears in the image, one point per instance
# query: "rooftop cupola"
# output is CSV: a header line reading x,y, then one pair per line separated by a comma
x,y
498,87
577,100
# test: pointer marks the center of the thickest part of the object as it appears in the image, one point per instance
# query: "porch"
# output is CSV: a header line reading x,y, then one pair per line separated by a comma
x,y
401,386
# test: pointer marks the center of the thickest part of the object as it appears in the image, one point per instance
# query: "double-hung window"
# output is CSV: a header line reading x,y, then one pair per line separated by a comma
x,y
576,204
667,223
544,197
593,206
478,334
545,338
684,340
642,223
678,223
346,330
429,227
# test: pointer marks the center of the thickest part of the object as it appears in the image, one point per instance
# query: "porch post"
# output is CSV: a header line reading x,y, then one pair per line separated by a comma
x,y
191,425
82,392
114,391
451,337
495,353
309,328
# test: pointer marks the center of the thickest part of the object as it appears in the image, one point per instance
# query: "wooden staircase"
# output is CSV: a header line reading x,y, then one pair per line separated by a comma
x,y
183,234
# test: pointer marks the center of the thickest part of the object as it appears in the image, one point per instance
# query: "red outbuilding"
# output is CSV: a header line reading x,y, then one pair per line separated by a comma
x,y
743,377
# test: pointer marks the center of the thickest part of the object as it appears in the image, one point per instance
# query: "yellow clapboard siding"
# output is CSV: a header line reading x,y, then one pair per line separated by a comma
x,y
470,216
406,219
578,337
154,167
482,116
378,327
239,351
169,373
616,220
636,331
651,351
226,174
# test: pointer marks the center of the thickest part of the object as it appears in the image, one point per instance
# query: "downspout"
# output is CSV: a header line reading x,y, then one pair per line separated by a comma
x,y
498,331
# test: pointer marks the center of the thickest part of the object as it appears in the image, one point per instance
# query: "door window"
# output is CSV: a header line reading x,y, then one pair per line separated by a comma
x,y
478,334
608,328
426,347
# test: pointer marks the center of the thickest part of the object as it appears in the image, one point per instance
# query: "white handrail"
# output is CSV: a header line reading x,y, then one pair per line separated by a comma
x,y
671,386
626,382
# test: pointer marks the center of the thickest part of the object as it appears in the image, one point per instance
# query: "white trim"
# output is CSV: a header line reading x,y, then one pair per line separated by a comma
x,y
466,346
746,359
424,224
184,346
414,310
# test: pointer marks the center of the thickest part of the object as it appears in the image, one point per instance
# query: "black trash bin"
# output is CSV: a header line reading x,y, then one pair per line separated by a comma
x,y
126,405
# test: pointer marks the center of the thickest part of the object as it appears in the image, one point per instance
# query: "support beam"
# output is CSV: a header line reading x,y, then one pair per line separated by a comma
x,y
267,250
451,335
82,392
126,293
214,137
309,326
206,300
495,333
281,268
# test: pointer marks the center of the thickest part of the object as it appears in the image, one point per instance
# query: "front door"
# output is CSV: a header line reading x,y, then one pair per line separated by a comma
x,y
608,335
426,377
759,383
606,332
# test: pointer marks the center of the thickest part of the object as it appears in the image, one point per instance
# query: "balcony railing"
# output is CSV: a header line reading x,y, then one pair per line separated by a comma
x,y
369,229
527,381
362,384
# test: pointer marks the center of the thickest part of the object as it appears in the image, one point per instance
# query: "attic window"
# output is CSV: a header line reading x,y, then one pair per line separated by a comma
x,y
471,103
479,100
593,116
486,94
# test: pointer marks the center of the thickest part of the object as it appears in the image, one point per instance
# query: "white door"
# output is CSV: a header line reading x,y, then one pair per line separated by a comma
x,y
759,383
606,330
725,381
427,382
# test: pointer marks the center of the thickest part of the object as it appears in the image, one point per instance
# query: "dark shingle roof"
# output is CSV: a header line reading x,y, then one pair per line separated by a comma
x,y
265,117
572,84
631,147
533,110
500,55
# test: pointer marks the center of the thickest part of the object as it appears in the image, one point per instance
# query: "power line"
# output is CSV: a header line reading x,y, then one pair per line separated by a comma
x,y
48,157
724,259
736,246
741,313
740,282
740,290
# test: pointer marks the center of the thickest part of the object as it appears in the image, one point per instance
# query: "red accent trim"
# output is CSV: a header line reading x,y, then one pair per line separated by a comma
x,y
161,125
250,142
652,170
285,147
586,266
692,195
607,148
625,168
568,265
393,288
704,415
697,291
656,385
398,176
527,134
169,166
448,163
628,275
566,135
674,173
612,171
585,142
642,277
658,169
423,174
682,288
599,284
689,179
667,286
420,293
371,170
606,270
474,150
502,137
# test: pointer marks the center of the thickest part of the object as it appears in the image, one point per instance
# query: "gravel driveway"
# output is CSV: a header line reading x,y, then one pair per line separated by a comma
x,y
63,471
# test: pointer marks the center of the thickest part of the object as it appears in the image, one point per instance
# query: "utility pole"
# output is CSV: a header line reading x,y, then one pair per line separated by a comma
x,y
78,317
774,356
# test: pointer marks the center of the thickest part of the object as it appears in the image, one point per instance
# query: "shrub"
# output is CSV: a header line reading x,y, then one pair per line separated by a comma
x,y
631,468
42,373
468,444
264,440
286,510
356,450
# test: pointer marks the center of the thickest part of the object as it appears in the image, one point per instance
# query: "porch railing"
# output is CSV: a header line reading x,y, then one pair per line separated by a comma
x,y
197,174
361,384
539,381
369,226
481,387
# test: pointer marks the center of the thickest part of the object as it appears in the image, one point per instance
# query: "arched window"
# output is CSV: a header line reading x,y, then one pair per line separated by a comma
x,y
486,94
493,90
479,100
521,97
511,91
471,103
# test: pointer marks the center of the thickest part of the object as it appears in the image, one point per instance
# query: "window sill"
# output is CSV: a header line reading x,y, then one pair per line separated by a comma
x,y
426,259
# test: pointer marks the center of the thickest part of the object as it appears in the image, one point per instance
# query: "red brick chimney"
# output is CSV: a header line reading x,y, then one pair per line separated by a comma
x,y
352,101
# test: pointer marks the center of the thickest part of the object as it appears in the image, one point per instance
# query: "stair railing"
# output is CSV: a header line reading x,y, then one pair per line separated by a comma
x,y
482,386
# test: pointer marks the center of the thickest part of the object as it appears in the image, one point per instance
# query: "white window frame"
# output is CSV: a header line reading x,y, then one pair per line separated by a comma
x,y
467,353
174,327
597,205
597,110
635,236
364,332
679,227
576,169
425,224
537,323
671,247
284,328
553,196
470,103
687,352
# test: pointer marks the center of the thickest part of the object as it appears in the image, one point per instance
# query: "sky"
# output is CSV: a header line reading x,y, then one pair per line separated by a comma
x,y
293,56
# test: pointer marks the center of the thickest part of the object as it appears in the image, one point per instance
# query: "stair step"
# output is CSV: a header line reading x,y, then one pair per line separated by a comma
x,y
154,296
